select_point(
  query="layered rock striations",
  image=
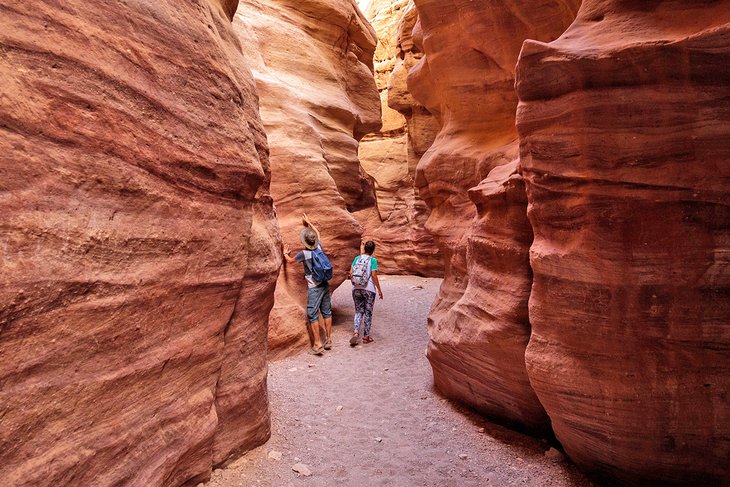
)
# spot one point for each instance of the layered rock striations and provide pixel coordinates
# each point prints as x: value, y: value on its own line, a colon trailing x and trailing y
x: 624, y: 122
x: 139, y: 245
x: 389, y: 156
x: 479, y: 325
x: 312, y: 62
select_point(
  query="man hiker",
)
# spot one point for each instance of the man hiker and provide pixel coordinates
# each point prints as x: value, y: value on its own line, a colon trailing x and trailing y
x: 318, y: 290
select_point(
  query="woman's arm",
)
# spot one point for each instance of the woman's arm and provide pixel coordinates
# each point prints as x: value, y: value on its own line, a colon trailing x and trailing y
x: 377, y: 283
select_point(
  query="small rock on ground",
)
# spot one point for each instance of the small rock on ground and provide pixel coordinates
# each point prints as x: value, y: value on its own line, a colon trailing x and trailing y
x: 554, y: 455
x: 301, y: 469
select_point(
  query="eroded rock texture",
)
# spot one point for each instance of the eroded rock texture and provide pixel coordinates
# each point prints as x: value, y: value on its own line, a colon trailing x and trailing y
x: 625, y: 122
x: 139, y: 245
x: 389, y: 157
x: 478, y: 325
x: 313, y: 67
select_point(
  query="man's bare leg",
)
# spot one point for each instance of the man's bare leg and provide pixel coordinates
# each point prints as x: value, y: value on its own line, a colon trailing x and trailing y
x: 315, y: 332
x: 328, y: 333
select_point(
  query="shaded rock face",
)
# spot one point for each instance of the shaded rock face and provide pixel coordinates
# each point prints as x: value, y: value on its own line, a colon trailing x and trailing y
x: 479, y: 325
x: 397, y: 222
x: 139, y: 244
x: 625, y: 122
x: 312, y: 61
x: 421, y: 125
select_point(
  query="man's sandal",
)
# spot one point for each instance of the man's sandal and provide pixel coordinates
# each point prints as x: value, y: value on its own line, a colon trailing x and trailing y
x: 354, y: 339
x: 328, y: 344
x: 316, y: 351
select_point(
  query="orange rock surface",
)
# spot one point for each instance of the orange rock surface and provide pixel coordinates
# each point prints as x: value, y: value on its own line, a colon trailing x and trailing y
x: 479, y: 325
x: 139, y: 248
x: 389, y: 156
x: 625, y: 122
x: 313, y: 67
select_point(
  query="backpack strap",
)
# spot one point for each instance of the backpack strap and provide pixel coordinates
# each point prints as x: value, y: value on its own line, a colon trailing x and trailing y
x: 308, y: 261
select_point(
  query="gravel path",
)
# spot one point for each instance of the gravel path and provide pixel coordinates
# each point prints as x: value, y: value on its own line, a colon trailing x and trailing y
x: 369, y: 416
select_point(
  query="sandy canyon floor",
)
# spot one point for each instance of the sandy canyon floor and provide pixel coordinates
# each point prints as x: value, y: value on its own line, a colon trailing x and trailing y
x: 369, y: 416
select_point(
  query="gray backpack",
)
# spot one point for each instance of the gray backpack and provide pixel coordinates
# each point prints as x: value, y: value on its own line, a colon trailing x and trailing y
x: 361, y: 272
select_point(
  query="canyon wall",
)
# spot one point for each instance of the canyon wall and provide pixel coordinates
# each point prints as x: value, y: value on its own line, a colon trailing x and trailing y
x: 625, y: 122
x: 479, y: 325
x: 312, y: 62
x: 139, y: 245
x: 397, y: 221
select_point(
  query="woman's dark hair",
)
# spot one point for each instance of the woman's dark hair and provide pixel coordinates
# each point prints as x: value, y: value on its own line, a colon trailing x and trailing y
x: 369, y: 247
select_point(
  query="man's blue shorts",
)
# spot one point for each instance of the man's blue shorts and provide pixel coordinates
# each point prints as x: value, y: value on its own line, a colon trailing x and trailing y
x: 318, y: 299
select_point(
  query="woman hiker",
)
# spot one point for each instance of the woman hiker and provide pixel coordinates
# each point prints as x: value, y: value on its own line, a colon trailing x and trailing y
x: 364, y: 277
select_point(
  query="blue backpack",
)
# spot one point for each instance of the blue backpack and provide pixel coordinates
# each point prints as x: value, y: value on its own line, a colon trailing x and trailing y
x: 321, y: 265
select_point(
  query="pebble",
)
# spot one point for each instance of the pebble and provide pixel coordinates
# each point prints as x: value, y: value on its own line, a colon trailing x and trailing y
x: 311, y: 365
x: 481, y: 430
x: 275, y: 455
x: 301, y: 469
x: 293, y: 369
x: 340, y: 408
x: 378, y: 439
x: 463, y: 456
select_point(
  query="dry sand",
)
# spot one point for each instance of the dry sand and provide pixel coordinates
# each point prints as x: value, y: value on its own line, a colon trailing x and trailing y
x: 369, y: 416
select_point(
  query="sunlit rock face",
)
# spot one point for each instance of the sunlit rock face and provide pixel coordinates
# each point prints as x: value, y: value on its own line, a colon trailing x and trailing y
x: 625, y: 122
x: 397, y: 222
x: 139, y: 245
x: 312, y: 61
x: 479, y: 325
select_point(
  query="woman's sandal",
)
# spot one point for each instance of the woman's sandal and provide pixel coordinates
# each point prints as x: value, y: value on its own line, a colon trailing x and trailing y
x: 367, y: 339
x: 355, y: 338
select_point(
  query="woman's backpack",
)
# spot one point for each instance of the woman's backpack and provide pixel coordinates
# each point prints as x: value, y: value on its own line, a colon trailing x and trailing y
x: 361, y: 272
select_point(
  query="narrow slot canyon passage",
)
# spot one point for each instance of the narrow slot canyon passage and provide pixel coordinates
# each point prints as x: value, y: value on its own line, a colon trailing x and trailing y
x: 369, y: 415
x: 556, y: 173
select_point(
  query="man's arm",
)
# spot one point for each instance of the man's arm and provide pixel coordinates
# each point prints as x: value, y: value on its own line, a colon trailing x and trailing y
x: 289, y: 260
x: 307, y: 223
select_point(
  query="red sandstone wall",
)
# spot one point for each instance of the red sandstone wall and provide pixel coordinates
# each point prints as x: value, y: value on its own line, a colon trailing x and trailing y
x: 389, y: 157
x: 479, y: 326
x: 312, y: 62
x: 625, y: 122
x: 139, y: 248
